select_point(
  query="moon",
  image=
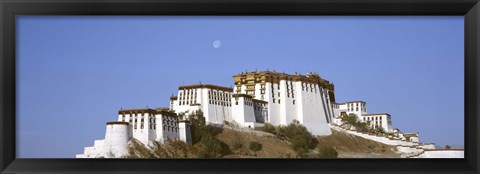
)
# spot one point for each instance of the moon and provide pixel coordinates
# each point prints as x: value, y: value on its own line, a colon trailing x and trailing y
x: 217, y: 44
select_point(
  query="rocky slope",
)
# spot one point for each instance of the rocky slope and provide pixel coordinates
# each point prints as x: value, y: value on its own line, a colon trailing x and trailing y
x: 235, y: 143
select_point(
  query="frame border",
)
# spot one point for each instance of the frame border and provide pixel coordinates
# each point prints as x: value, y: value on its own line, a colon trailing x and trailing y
x: 9, y: 9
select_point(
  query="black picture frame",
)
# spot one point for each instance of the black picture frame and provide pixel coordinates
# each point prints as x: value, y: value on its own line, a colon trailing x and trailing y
x: 9, y: 9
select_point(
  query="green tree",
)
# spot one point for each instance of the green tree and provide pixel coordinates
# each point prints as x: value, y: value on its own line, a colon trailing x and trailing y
x: 212, y: 147
x: 198, y: 125
x: 268, y: 128
x: 327, y: 152
x: 255, y: 146
x: 298, y: 135
x: 352, y: 119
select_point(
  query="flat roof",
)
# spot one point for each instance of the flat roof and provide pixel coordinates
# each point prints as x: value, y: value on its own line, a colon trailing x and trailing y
x: 376, y: 114
x: 209, y: 86
x: 117, y: 122
x: 242, y: 95
x: 259, y: 101
x: 159, y: 110
x: 355, y: 101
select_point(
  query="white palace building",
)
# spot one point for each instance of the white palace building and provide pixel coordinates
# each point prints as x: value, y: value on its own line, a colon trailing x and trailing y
x: 256, y: 98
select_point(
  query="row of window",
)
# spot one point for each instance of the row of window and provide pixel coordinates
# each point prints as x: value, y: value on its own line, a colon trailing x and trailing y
x: 290, y: 90
x: 375, y: 121
x: 169, y: 121
x: 170, y: 128
x: 309, y: 86
x: 220, y: 103
x: 355, y: 107
x: 186, y: 97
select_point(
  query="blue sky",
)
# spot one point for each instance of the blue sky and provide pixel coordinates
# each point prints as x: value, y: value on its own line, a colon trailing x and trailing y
x: 75, y: 73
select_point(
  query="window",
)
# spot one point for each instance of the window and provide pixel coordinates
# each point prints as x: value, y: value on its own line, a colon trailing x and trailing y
x: 273, y: 100
x: 294, y: 102
x: 278, y: 101
x: 236, y: 102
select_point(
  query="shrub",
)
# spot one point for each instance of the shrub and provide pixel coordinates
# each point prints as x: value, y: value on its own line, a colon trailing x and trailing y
x: 327, y: 152
x: 298, y: 135
x: 211, y: 146
x: 255, y: 146
x: 268, y: 128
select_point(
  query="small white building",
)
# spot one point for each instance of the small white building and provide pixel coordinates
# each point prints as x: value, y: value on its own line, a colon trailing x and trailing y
x: 150, y: 125
x: 146, y: 125
x: 412, y: 137
x: 214, y: 101
x: 247, y: 111
x: 382, y: 120
x: 359, y: 108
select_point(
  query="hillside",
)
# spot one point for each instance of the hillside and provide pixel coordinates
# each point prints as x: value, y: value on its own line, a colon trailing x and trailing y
x: 235, y: 143
x: 351, y: 146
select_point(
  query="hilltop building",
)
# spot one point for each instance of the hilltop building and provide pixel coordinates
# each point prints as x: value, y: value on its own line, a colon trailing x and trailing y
x: 256, y: 98
x: 263, y: 97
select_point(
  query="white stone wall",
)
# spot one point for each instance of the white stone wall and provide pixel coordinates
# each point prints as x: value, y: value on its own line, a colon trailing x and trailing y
x: 289, y: 100
x: 116, y: 140
x: 185, y: 132
x: 312, y: 108
x: 95, y: 151
x: 260, y: 110
x: 187, y: 100
x: 243, y: 111
x: 140, y: 129
x: 214, y: 103
x: 271, y: 95
x: 380, y: 139
x: 460, y: 153
x: 170, y: 128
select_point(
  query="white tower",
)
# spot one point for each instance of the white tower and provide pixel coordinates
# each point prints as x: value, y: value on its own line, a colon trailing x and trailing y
x: 116, y: 139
